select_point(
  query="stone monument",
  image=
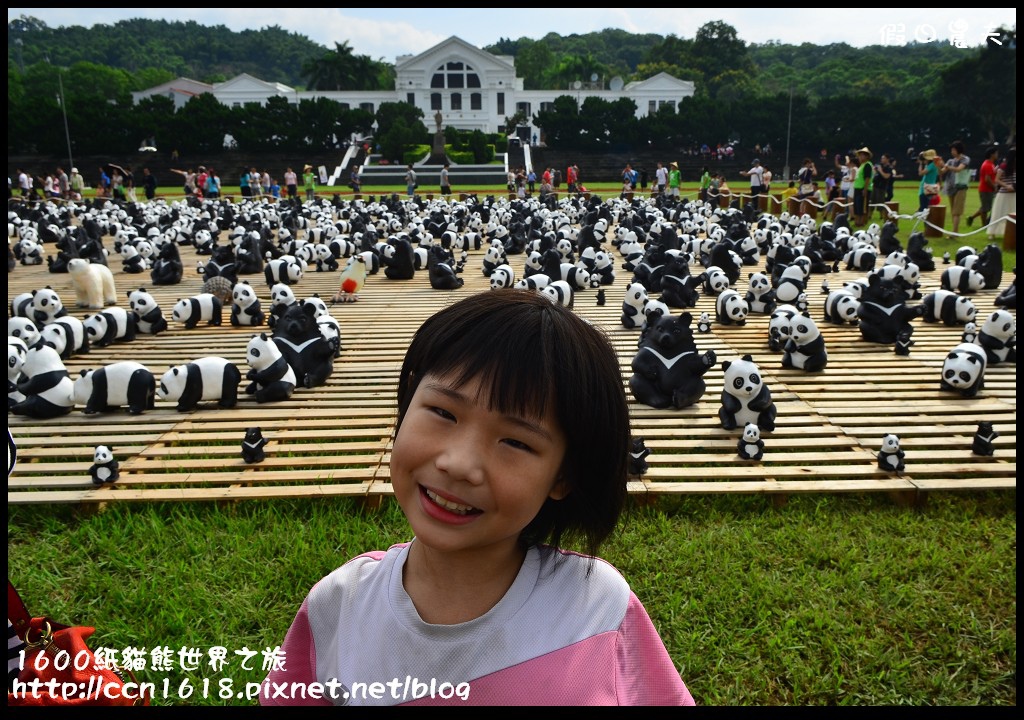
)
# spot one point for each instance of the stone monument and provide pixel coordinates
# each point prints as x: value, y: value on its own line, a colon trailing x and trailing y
x: 437, y: 152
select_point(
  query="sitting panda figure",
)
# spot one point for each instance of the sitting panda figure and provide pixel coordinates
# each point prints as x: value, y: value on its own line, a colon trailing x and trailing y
x: 46, y: 306
x: 298, y: 336
x: 750, y: 445
x: 668, y: 369
x: 281, y: 298
x: 149, y: 319
x: 983, y: 439
x: 998, y: 337
x: 633, y: 306
x: 270, y: 377
x: 16, y: 352
x: 805, y: 349
x: 963, y: 370
x: 253, y: 444
x: 704, y: 323
x: 638, y: 454
x: 890, y: 457
x: 745, y: 396
x: 778, y: 326
x: 245, y: 307
x: 104, y: 468
x: 970, y: 333
x: 45, y: 383
x: 731, y: 308
x: 760, y: 295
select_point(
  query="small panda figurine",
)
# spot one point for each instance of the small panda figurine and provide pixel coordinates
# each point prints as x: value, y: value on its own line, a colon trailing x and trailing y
x: 638, y: 454
x: 841, y: 308
x: 46, y: 306
x: 948, y: 307
x: 601, y: 299
x: 245, y: 307
x: 252, y: 445
x: 805, y: 349
x: 45, y: 383
x: 704, y: 323
x: 104, y: 469
x: 970, y: 333
x: 206, y: 378
x: 731, y: 308
x: 110, y: 325
x: 904, y: 341
x: 198, y: 308
x: 750, y: 445
x: 960, y: 279
x: 890, y: 457
x: 998, y: 337
x: 502, y: 277
x: 963, y: 370
x: 778, y: 326
x: 633, y: 306
x: 760, y: 296
x: 983, y: 439
x: 745, y: 396
x: 271, y: 377
x: 149, y: 318
x: 119, y: 384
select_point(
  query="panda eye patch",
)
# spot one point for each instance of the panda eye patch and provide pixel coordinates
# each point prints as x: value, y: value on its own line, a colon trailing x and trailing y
x: 755, y: 379
x: 254, y: 352
x: 737, y: 383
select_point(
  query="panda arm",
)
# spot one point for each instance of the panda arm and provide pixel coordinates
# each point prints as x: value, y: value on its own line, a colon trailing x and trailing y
x: 41, y: 382
x: 763, y: 400
x: 192, y: 390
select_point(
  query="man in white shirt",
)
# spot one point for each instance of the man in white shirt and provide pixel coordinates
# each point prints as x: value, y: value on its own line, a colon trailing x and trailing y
x: 661, y: 177
x: 756, y: 175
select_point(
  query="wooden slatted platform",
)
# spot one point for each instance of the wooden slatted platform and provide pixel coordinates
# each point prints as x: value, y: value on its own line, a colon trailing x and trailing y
x: 335, y: 440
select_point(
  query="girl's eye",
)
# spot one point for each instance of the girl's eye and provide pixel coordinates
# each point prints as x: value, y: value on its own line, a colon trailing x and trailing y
x: 441, y: 412
x: 518, y: 444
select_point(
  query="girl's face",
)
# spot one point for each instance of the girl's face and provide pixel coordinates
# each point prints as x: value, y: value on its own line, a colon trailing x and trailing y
x: 469, y: 479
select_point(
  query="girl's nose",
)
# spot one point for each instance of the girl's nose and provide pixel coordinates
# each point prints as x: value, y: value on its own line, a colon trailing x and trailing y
x: 463, y: 458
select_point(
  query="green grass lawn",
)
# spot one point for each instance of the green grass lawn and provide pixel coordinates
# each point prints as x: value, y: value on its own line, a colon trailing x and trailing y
x: 827, y: 600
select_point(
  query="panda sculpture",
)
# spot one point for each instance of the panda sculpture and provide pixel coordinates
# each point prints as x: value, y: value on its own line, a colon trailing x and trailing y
x: 399, y: 259
x: 731, y: 308
x: 841, y: 308
x: 121, y: 384
x: 704, y: 323
x: 298, y: 336
x: 949, y: 308
x: 245, y: 307
x: 66, y: 335
x: 24, y: 329
x: 285, y: 269
x: 750, y: 445
x: 502, y: 277
x: 559, y: 292
x: 442, y: 271
x: 46, y: 306
x: 984, y: 436
x: 890, y: 456
x: 668, y: 370
x: 205, y: 378
x: 633, y: 306
x: 104, y: 468
x: 45, y: 383
x: 746, y: 398
x: 149, y: 318
x: 16, y: 352
x: 270, y: 376
x: 963, y: 370
x: 805, y: 349
x: 778, y: 326
x: 638, y: 454
x: 998, y: 337
x: 760, y: 295
x: 281, y: 298
x: 204, y: 307
x: 167, y: 268
x: 962, y: 280
x: 109, y: 326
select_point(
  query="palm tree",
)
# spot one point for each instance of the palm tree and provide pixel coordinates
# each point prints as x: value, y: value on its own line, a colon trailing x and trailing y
x: 336, y: 69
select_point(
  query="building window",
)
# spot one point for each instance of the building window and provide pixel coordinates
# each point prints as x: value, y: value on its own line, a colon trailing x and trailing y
x: 476, y: 101
x: 368, y: 107
x: 454, y: 76
x: 456, y: 101
x: 437, y: 80
x: 410, y: 98
x: 547, y: 107
x: 435, y: 101
x: 668, y: 103
x: 501, y: 103
x: 345, y: 106
x: 524, y: 108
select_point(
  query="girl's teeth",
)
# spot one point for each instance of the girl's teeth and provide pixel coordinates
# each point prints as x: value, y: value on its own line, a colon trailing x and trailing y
x: 448, y: 505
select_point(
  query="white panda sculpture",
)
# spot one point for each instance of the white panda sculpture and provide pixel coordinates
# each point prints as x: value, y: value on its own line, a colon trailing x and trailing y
x: 963, y: 370
x: 750, y: 445
x: 46, y: 385
x: 731, y: 308
x: 46, y: 306
x: 633, y: 306
x: 998, y: 337
x: 16, y: 352
x: 204, y: 307
x: 104, y: 468
x: 559, y: 292
x: 841, y: 308
x: 962, y: 280
x: 24, y: 329
x: 149, y: 318
x: 503, y: 276
x: 121, y: 384
x: 948, y: 307
x: 110, y: 325
x: 245, y: 308
x: 206, y: 378
x: 271, y: 377
x: 66, y: 335
x: 746, y: 398
x: 805, y: 349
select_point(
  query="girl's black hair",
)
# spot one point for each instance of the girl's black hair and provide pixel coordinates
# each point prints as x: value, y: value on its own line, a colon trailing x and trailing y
x: 532, y: 355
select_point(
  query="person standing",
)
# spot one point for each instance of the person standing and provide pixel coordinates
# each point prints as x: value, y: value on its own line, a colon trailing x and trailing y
x: 571, y: 178
x: 1006, y: 194
x: 243, y: 184
x: 881, y: 192
x: 986, y: 186
x: 63, y: 185
x: 928, y: 168
x: 77, y: 185
x: 446, y: 183
x: 756, y: 175
x: 129, y: 185
x: 862, y: 187
x: 674, y: 180
x: 148, y: 184
x: 291, y: 183
x: 957, y: 176
x: 705, y: 183
x: 531, y: 180
x: 354, y: 180
x: 309, y: 181
x: 410, y: 180
x: 661, y: 177
x: 212, y: 184
x: 25, y: 183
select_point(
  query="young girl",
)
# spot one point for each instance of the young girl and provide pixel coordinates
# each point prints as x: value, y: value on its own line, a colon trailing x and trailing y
x: 496, y: 460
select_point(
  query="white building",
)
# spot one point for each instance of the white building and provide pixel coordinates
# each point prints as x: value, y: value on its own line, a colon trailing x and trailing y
x: 471, y: 88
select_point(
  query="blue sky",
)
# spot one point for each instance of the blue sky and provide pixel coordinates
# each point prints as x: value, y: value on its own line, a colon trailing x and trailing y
x: 384, y: 34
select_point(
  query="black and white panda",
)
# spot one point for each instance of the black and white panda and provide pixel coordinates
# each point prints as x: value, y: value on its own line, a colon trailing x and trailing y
x: 890, y: 456
x: 716, y: 281
x: 790, y: 283
x: 731, y: 308
x: 750, y: 445
x: 21, y: 305
x: 271, y: 377
x: 125, y: 383
x: 104, y: 469
x: 948, y: 307
x: 107, y: 326
x: 67, y: 335
x: 704, y: 323
x: 503, y: 277
x: 205, y: 378
x: 24, y: 329
x: 331, y: 331
x: 745, y: 396
x: 962, y: 280
x: 204, y: 307
x: 149, y: 318
x: 559, y: 292
x: 281, y: 298
x: 760, y: 296
x: 45, y: 383
x: 632, y: 305
x: 805, y: 349
x: 998, y: 337
x: 46, y: 306
x: 841, y: 308
x: 285, y: 269
x: 963, y: 370
x: 131, y: 261
x: 534, y: 282
x: 778, y: 326
x: 16, y: 352
x: 863, y: 258
x: 245, y: 308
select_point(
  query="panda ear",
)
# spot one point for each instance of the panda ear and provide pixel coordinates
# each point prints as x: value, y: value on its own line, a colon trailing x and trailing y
x: 726, y: 364
x: 748, y: 358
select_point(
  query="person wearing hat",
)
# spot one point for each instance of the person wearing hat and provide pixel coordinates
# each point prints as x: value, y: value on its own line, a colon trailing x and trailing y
x: 309, y: 180
x: 756, y: 175
x: 862, y: 187
x: 928, y: 167
x: 76, y: 184
x: 674, y: 179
